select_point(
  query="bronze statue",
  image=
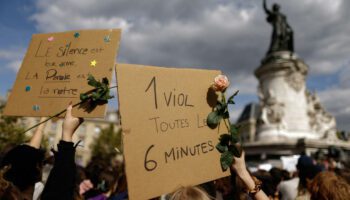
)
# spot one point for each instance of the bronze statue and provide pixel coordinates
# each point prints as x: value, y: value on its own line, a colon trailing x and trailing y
x: 282, y: 33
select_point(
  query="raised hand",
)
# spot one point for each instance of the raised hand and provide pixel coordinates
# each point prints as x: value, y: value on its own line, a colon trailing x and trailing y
x: 37, y: 137
x: 70, y: 125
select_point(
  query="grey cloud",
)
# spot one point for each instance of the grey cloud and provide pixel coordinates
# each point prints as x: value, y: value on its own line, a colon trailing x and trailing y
x: 12, y: 57
x: 232, y: 42
x: 336, y: 101
x: 229, y: 35
x: 343, y: 121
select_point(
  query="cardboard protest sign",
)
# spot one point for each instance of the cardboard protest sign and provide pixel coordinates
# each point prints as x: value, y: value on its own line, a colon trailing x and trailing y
x: 167, y: 143
x: 55, y: 69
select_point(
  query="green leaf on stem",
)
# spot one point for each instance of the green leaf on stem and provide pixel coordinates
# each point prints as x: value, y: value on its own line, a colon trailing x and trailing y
x: 105, y: 81
x: 221, y: 148
x: 83, y: 97
x: 100, y: 93
x: 235, y: 149
x: 92, y: 81
x: 226, y: 160
x: 235, y: 138
x: 234, y: 129
x: 234, y: 133
x: 220, y: 106
x: 225, y: 139
x: 213, y: 119
x: 230, y: 99
x: 226, y: 115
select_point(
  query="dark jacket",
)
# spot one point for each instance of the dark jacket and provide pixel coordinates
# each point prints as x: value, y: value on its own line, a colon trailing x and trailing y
x: 60, y: 184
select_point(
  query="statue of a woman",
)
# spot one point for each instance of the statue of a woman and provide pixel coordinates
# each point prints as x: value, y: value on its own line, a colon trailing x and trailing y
x: 282, y: 33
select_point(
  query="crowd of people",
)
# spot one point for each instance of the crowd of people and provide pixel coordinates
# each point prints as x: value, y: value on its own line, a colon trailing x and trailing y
x: 22, y: 167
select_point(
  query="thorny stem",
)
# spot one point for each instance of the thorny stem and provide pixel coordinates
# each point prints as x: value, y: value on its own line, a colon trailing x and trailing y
x: 224, y: 100
x: 228, y: 129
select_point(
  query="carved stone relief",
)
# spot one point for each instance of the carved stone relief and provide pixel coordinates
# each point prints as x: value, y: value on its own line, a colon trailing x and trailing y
x: 295, y: 80
x: 320, y: 120
x: 272, y: 111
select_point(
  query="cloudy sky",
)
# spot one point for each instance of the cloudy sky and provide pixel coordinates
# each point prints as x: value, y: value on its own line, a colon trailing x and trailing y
x: 216, y: 34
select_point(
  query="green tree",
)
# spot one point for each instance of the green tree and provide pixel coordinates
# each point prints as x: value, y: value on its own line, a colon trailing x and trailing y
x: 104, y: 147
x: 11, y: 132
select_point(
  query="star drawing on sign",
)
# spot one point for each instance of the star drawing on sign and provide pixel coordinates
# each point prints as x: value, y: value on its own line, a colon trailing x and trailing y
x: 93, y: 63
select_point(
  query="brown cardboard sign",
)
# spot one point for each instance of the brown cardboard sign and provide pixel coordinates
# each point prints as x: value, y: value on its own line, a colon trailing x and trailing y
x: 167, y: 143
x: 55, y: 69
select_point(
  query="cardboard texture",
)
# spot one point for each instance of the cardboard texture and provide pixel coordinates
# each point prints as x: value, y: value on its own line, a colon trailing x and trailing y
x: 166, y: 141
x: 55, y: 69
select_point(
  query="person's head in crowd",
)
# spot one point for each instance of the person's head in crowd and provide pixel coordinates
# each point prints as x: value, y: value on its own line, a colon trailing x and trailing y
x: 224, y: 186
x: 5, y: 150
x: 98, y: 165
x: 25, y: 164
x: 209, y: 187
x: 268, y: 185
x: 231, y: 188
x: 103, y: 183
x: 277, y: 175
x: 118, y: 161
x: 121, y: 191
x: 344, y: 173
x: 80, y: 177
x: 81, y: 174
x: 334, y: 152
x: 286, y: 175
x: 93, y: 169
x: 7, y: 190
x: 328, y: 186
x: 189, y: 193
x: 107, y: 180
x: 307, y: 169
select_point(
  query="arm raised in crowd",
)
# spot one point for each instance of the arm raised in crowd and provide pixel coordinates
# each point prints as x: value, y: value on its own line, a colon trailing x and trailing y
x: 70, y: 125
x: 61, y: 181
x: 252, y: 185
x: 37, y: 137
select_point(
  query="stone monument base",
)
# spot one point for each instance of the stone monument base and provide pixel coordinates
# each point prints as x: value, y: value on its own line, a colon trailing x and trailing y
x: 271, y: 152
x: 281, y: 135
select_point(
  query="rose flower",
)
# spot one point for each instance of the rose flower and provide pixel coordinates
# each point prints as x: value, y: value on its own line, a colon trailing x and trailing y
x: 221, y: 82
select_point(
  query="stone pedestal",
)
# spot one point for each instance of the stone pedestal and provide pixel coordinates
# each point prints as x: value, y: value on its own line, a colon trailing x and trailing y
x: 284, y: 99
x: 292, y: 146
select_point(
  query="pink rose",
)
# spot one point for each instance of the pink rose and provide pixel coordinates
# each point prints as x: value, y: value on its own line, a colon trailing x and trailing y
x: 221, y: 82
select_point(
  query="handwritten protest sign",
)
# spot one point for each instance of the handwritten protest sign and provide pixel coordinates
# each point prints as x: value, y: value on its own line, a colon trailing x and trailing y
x: 166, y: 141
x: 55, y: 69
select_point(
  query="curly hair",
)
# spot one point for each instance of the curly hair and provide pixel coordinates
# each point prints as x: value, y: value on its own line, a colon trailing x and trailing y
x: 327, y: 185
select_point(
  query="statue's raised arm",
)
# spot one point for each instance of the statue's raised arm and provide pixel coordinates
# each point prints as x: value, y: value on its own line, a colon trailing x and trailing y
x: 265, y: 7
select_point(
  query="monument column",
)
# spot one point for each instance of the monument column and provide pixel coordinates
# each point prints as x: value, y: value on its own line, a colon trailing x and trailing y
x: 283, y: 99
x: 291, y: 119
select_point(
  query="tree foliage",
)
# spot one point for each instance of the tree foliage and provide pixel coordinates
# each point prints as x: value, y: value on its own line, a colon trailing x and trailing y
x: 104, y: 147
x: 11, y: 132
